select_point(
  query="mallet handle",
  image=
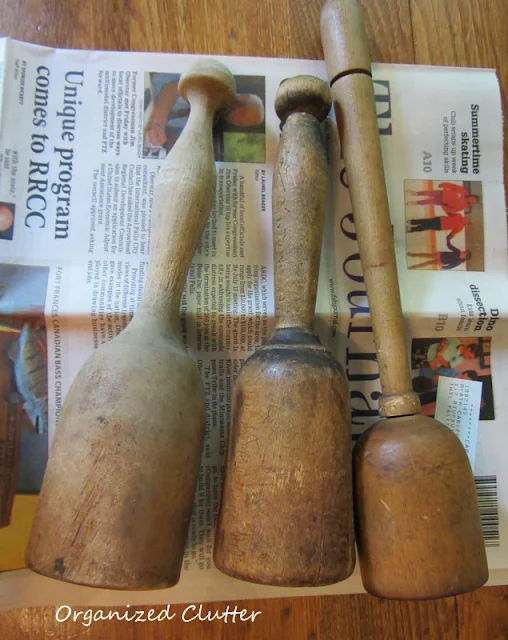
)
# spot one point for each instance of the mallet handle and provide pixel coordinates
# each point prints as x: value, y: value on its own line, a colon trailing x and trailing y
x: 184, y: 193
x: 348, y: 64
x: 299, y: 206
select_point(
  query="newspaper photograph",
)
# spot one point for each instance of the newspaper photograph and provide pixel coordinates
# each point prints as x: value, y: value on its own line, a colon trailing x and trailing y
x: 83, y: 134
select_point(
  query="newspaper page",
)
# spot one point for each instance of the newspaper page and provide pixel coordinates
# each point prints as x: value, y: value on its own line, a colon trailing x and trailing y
x: 83, y: 134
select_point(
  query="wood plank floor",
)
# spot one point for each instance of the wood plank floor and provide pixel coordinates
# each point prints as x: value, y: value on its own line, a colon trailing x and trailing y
x: 439, y: 32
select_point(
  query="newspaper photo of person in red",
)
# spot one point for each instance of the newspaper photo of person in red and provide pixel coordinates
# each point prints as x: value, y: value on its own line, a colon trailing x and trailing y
x: 444, y: 225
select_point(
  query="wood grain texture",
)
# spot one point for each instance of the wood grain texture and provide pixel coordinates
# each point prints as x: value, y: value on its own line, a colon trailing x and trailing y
x: 358, y: 617
x: 116, y: 499
x: 412, y: 476
x: 465, y: 32
x: 261, y: 28
x: 299, y: 198
x: 101, y: 24
x: 411, y: 473
x: 358, y: 128
x: 286, y: 515
x: 483, y: 614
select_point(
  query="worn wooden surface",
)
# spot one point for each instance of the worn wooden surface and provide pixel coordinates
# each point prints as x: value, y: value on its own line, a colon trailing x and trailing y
x: 446, y: 32
x: 346, y: 49
x: 408, y: 464
x: 98, y: 463
x: 286, y: 515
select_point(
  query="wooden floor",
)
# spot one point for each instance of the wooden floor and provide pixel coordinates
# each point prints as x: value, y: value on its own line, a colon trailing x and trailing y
x: 438, y: 32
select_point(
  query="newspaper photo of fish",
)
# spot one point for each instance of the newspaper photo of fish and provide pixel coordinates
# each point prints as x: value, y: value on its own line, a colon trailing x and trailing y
x: 23, y: 383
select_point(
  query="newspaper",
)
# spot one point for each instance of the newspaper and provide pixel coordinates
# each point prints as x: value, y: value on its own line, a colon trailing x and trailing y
x: 83, y: 134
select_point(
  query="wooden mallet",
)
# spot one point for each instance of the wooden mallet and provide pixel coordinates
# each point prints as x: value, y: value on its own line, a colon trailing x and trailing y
x: 417, y: 520
x: 117, y: 495
x: 286, y: 511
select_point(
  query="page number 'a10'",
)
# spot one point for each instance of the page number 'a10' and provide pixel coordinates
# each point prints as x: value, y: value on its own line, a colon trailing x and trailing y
x: 427, y: 162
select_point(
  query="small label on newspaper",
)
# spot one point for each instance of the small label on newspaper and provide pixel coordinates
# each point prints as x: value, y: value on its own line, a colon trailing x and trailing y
x: 458, y: 407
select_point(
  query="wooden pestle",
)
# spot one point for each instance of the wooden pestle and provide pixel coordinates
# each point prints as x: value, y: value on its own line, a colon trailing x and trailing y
x: 286, y: 512
x: 418, y: 528
x: 117, y: 495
